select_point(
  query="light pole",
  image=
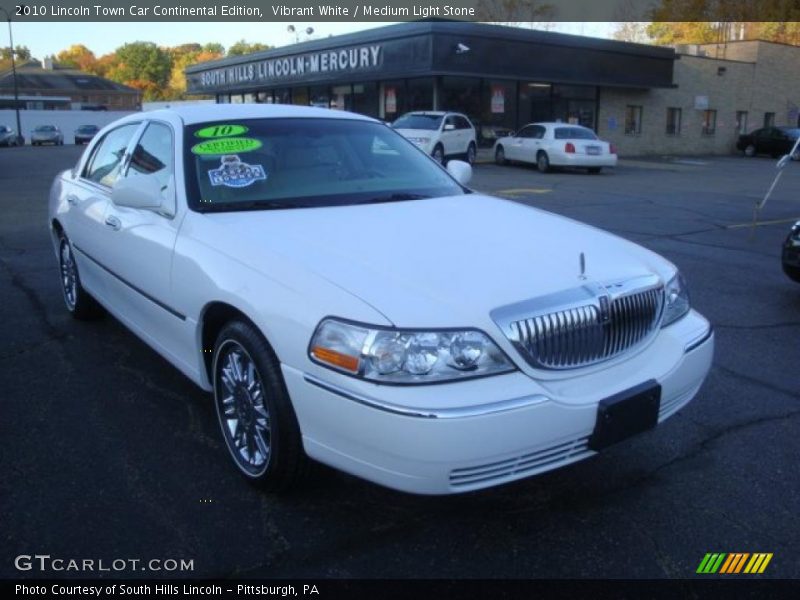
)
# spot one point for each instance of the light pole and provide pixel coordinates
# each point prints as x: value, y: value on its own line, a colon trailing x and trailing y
x: 13, y: 74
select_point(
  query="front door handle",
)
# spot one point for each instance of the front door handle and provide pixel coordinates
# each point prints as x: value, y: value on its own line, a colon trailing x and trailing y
x: 113, y: 222
x: 72, y: 200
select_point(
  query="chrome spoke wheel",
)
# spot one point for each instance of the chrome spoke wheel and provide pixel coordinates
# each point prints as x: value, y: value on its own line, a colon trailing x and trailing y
x: 69, y: 275
x: 242, y: 407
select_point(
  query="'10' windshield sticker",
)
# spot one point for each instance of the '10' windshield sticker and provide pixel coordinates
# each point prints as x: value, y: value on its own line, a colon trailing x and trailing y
x: 226, y: 146
x: 234, y: 173
x: 218, y: 131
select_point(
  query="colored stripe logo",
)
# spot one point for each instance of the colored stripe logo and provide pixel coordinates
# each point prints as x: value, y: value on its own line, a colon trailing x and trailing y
x: 734, y: 563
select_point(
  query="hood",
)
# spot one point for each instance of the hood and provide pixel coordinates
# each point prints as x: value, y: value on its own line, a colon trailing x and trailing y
x: 442, y: 262
x: 417, y: 133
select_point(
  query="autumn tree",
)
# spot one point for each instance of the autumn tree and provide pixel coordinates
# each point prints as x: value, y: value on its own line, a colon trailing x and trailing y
x: 77, y: 56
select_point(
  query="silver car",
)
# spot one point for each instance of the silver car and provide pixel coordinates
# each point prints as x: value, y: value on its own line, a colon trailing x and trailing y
x: 47, y: 134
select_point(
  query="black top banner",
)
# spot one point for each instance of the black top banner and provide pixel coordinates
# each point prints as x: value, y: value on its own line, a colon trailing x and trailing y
x: 498, y: 11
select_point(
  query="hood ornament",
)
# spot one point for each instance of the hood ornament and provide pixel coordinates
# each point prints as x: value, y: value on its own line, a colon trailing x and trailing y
x: 582, y: 274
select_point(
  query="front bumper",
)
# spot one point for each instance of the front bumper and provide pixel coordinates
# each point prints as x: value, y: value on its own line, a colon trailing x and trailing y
x: 521, y: 428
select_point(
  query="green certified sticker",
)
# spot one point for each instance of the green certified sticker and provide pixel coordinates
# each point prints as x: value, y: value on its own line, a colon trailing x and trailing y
x: 226, y: 146
x: 218, y: 131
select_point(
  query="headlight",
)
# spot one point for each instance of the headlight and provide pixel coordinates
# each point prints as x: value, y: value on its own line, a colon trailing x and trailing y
x: 421, y: 141
x: 676, y: 300
x: 404, y: 356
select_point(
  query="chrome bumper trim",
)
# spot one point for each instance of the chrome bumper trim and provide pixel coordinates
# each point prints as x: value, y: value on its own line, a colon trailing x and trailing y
x: 430, y: 413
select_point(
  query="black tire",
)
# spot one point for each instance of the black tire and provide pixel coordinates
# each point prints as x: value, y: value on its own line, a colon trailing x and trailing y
x: 500, y: 156
x: 542, y: 162
x: 471, y: 154
x: 792, y: 272
x: 265, y: 417
x: 77, y: 300
x: 750, y: 150
x: 438, y: 154
x: 594, y: 170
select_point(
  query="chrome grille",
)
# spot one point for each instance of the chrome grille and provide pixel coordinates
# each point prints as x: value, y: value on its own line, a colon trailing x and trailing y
x: 589, y: 331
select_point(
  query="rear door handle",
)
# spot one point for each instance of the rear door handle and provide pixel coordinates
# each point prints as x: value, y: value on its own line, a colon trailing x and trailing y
x: 113, y: 222
x: 72, y: 200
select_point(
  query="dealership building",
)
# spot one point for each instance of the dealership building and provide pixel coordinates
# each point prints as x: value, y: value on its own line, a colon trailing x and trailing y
x: 645, y: 99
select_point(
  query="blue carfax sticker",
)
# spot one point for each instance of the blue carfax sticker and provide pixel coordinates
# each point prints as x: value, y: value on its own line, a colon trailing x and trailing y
x: 236, y: 174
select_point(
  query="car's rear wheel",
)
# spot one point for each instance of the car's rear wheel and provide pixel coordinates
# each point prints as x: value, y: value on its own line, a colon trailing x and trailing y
x: 255, y: 413
x: 438, y: 154
x: 79, y: 303
x: 542, y: 162
x: 750, y: 150
x: 500, y: 156
x: 471, y: 153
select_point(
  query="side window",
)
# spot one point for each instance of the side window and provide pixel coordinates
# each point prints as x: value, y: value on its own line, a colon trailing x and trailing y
x: 154, y: 156
x: 462, y: 123
x: 451, y: 120
x: 525, y: 132
x: 106, y: 161
x: 537, y: 132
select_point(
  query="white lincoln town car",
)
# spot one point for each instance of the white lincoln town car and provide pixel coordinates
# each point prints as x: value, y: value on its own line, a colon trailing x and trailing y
x: 346, y: 298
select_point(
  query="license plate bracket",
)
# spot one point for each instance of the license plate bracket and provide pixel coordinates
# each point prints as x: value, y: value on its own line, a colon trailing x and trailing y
x: 625, y: 414
x: 594, y: 150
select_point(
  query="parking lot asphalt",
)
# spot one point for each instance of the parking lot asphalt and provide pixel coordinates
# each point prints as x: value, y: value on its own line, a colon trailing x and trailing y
x: 108, y: 452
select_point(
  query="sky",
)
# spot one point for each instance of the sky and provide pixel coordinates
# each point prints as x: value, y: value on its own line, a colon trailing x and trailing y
x: 46, y: 39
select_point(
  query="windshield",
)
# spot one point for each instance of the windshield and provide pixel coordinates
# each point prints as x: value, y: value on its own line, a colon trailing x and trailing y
x: 431, y: 122
x: 4, y: 129
x: 304, y: 163
x: 87, y: 128
x: 574, y: 133
x: 45, y: 128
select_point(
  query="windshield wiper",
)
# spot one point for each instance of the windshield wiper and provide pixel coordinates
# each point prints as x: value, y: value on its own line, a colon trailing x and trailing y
x: 398, y: 197
x: 250, y: 205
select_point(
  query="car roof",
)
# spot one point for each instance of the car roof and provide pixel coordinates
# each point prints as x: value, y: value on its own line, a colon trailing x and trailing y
x: 200, y: 113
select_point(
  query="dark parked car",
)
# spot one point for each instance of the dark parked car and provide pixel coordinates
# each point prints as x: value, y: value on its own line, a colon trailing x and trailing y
x: 775, y: 141
x: 9, y: 137
x: 85, y: 133
x: 790, y: 257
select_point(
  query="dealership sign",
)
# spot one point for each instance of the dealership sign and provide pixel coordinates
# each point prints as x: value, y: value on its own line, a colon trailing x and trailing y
x: 359, y: 58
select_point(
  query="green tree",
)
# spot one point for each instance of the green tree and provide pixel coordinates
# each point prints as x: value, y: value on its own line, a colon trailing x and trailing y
x: 142, y: 65
x: 242, y: 47
x: 214, y: 48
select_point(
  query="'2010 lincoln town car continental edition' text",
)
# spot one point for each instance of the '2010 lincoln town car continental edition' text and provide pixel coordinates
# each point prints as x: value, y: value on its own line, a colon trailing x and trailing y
x: 346, y: 298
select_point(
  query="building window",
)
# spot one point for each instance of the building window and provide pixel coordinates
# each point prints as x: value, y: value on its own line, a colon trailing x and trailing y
x: 673, y: 121
x: 709, y: 122
x: 769, y: 119
x: 633, y: 120
x: 741, y: 121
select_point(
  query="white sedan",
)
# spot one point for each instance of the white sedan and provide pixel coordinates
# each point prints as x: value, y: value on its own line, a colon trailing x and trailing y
x: 556, y: 145
x: 344, y: 298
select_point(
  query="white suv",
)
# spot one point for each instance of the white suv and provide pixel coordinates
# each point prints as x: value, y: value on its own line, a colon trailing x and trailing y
x: 443, y: 135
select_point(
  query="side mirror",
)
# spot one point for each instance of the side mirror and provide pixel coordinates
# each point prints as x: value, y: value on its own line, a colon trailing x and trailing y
x: 449, y: 127
x: 461, y: 171
x: 138, y: 192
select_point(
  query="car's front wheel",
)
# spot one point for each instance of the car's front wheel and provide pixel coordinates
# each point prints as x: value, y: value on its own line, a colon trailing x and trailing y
x: 471, y: 153
x: 500, y: 156
x: 255, y: 413
x: 438, y: 154
x: 79, y: 303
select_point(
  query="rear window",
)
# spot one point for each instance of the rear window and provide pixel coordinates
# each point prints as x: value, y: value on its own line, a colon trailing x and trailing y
x: 574, y: 133
x: 431, y: 122
x: 304, y: 163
